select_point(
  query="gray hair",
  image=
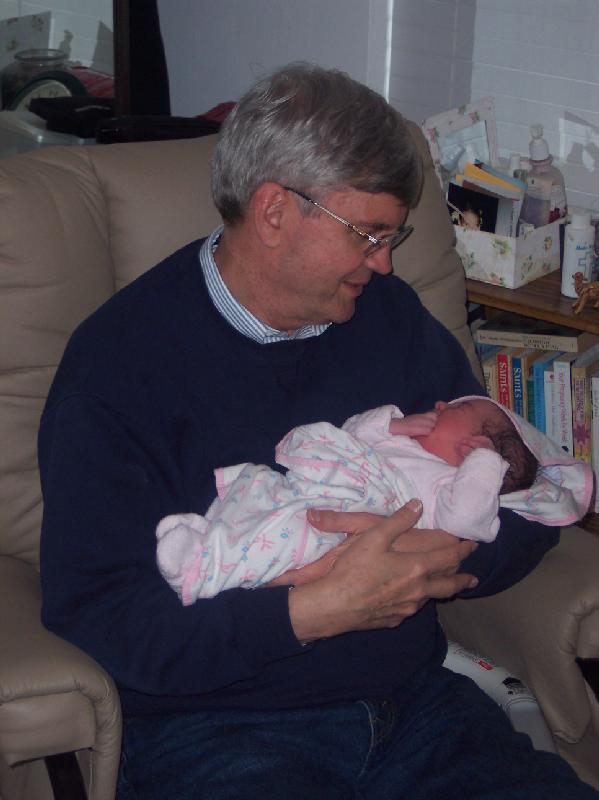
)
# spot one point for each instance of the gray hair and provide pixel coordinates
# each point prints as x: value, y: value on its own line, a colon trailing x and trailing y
x: 316, y: 130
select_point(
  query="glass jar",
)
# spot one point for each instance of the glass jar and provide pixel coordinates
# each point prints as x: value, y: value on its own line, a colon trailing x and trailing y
x: 27, y: 64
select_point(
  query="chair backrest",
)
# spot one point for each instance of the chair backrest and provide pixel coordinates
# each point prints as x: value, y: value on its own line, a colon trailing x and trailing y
x: 77, y: 224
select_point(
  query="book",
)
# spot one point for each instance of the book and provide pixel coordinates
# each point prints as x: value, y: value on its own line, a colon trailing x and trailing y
x: 489, y: 368
x: 530, y: 404
x: 594, y: 378
x: 519, y: 184
x: 522, y: 360
x: 581, y: 370
x: 518, y: 382
x: 515, y: 330
x: 476, y: 184
x: 476, y: 177
x: 504, y: 376
x: 562, y: 387
x: 549, y: 404
x: 494, y: 177
x: 538, y: 367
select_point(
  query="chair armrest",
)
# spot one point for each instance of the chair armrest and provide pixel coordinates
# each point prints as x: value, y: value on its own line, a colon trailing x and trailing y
x: 53, y: 697
x: 538, y: 628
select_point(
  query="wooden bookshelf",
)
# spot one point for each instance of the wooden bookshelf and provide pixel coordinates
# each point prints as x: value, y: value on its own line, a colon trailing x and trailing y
x: 539, y: 299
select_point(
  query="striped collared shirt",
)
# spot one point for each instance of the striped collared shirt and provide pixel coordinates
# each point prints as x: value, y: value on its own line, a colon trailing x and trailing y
x: 233, y: 311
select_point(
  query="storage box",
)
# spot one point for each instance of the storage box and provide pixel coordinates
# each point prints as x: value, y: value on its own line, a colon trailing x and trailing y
x: 506, y: 260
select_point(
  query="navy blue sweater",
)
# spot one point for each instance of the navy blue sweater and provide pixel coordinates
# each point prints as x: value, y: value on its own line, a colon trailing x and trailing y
x: 154, y: 391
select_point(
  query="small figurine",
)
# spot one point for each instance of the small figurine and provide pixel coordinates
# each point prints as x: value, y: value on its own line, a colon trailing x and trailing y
x: 587, y: 291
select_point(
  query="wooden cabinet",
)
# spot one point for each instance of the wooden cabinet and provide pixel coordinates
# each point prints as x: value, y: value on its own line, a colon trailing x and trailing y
x: 540, y: 299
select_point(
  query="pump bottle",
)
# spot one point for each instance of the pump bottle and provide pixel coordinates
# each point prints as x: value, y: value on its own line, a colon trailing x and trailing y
x: 545, y: 196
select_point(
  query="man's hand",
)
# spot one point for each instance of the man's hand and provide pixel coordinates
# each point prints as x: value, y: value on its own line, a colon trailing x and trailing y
x: 379, y: 577
x: 414, y: 424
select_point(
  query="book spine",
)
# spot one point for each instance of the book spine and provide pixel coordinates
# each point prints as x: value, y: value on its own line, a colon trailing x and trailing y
x: 490, y: 376
x: 549, y: 402
x: 539, y: 398
x: 581, y: 415
x: 563, y: 406
x: 503, y: 378
x: 595, y: 432
x: 567, y: 344
x: 518, y: 387
x: 530, y: 405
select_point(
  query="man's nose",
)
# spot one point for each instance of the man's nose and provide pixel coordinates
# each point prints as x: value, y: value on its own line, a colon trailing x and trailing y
x: 380, y: 261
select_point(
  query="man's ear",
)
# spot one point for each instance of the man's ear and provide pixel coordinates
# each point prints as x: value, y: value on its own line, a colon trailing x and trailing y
x: 269, y: 207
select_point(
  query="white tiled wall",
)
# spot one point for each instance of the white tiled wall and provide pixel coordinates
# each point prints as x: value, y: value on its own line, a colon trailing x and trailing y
x: 81, y: 27
x: 538, y: 59
x: 431, y: 55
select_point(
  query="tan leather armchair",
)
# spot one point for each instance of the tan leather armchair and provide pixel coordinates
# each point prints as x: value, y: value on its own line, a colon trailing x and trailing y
x: 76, y: 224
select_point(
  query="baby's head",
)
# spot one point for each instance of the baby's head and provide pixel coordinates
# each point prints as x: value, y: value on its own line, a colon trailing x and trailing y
x: 457, y: 424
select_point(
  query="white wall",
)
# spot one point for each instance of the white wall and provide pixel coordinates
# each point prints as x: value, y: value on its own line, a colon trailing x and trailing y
x: 431, y: 56
x: 539, y: 59
x: 82, y: 28
x: 216, y: 49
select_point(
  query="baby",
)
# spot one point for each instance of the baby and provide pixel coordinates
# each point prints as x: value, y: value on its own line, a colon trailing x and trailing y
x: 464, y: 460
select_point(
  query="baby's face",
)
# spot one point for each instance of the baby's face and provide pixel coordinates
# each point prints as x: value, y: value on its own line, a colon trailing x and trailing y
x: 454, y: 423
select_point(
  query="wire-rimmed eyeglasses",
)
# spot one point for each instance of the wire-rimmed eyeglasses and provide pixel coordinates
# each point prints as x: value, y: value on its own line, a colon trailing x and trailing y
x: 375, y: 244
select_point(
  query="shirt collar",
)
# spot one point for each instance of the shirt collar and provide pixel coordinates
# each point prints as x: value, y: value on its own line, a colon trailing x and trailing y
x: 233, y: 311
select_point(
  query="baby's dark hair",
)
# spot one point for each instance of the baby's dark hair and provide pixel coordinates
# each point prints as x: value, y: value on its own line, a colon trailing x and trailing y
x: 508, y: 443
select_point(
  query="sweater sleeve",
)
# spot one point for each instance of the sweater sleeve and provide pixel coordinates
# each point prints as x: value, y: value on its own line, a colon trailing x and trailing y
x: 102, y: 590
x: 519, y: 546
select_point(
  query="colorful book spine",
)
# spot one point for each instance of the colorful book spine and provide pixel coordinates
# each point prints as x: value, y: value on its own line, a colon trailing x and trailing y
x: 581, y: 371
x: 507, y: 333
x: 594, y: 378
x: 504, y: 376
x: 563, y: 433
x: 518, y: 383
x: 527, y: 357
x: 581, y: 414
x: 549, y: 401
x: 539, y: 389
x: 489, y: 368
x: 530, y: 405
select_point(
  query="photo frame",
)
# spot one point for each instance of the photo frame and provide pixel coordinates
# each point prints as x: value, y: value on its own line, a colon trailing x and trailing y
x: 467, y: 133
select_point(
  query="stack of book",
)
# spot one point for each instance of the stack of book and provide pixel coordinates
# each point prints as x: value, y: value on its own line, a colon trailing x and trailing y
x: 547, y: 373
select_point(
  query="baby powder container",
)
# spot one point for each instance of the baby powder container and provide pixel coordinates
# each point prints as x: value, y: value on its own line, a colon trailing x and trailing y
x: 516, y: 699
x: 545, y: 197
x: 579, y: 251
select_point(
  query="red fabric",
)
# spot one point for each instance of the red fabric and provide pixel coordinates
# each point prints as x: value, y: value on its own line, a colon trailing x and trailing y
x: 219, y: 113
x: 97, y: 84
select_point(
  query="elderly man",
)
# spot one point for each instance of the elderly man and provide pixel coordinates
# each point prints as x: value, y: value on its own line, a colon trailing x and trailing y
x: 330, y: 685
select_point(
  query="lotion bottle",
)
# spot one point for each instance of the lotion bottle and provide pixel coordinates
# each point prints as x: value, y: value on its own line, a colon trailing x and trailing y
x: 579, y: 251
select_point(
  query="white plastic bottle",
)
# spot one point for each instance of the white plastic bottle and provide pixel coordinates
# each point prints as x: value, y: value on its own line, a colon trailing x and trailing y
x: 518, y: 702
x: 579, y: 251
x: 545, y: 197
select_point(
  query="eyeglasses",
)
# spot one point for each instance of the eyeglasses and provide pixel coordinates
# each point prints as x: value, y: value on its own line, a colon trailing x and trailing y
x: 375, y: 244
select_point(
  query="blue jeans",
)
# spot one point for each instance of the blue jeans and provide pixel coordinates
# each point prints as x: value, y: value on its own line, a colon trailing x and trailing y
x: 440, y: 738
